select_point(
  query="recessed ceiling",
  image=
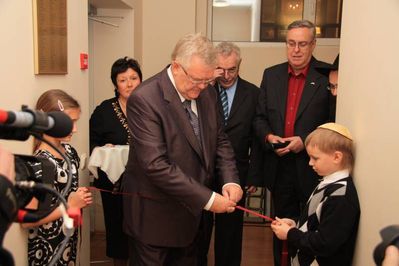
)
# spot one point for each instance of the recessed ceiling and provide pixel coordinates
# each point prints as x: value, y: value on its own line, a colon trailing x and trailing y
x: 117, y: 4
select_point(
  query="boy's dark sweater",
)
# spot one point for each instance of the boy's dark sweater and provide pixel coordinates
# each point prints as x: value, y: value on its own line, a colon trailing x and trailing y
x: 331, y: 238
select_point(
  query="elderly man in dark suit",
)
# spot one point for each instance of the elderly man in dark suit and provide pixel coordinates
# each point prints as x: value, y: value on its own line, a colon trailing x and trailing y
x: 292, y: 103
x: 177, y: 145
x: 237, y: 103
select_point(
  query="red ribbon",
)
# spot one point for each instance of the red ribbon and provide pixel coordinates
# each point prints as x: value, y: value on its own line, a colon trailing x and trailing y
x: 284, y: 253
x: 255, y: 213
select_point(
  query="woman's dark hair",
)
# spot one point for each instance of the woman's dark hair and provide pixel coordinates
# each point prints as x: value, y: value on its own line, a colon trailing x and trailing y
x: 120, y: 66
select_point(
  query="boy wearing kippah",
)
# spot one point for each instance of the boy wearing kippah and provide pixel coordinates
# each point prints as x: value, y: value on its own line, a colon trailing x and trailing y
x: 327, y: 228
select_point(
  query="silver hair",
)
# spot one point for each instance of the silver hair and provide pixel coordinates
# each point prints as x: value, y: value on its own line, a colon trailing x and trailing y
x: 227, y: 48
x: 303, y: 24
x: 194, y: 45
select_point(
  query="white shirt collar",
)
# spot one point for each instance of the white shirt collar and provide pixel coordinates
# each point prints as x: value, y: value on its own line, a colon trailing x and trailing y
x: 334, y: 177
x: 169, y: 70
x: 182, y: 99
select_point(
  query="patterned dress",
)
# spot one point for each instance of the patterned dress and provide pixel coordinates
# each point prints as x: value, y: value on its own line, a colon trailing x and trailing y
x: 44, y: 240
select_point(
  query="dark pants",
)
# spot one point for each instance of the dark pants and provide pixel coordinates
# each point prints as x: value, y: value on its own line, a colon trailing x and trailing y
x: 195, y: 254
x: 228, y: 237
x: 286, y: 197
x: 116, y: 239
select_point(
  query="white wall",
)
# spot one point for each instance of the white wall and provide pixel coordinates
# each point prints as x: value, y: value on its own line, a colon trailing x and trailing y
x: 232, y: 23
x: 107, y: 43
x: 19, y: 85
x: 157, y: 29
x: 368, y: 105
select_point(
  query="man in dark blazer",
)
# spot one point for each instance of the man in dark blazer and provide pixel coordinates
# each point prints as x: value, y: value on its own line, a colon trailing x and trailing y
x: 238, y: 98
x: 177, y: 145
x: 293, y: 102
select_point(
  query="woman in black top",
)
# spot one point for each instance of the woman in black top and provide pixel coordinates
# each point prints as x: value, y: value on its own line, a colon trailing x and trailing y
x: 108, y: 126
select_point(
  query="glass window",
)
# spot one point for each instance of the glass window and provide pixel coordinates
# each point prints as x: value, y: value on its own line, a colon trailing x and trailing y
x: 328, y: 18
x: 267, y: 20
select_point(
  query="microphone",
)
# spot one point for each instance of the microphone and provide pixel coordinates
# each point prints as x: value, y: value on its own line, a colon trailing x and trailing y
x: 55, y: 124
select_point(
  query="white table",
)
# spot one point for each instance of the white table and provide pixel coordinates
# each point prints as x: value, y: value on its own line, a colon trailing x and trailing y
x: 112, y: 160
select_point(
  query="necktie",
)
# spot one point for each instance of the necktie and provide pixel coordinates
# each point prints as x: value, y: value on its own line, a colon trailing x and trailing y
x: 193, y: 119
x: 225, y: 104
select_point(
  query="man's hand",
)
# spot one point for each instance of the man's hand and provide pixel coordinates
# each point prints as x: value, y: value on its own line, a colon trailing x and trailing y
x: 222, y: 204
x: 232, y: 192
x: 274, y: 139
x: 296, y: 145
x: 251, y: 189
x: 7, y: 167
x: 218, y: 73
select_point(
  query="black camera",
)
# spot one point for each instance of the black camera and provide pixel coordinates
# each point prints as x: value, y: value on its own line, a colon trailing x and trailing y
x: 390, y: 236
x: 34, y: 176
x: 21, y: 125
x: 38, y: 170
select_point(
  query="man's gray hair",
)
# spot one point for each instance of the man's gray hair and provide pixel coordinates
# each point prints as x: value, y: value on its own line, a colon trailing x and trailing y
x: 194, y: 45
x: 227, y: 48
x: 303, y: 24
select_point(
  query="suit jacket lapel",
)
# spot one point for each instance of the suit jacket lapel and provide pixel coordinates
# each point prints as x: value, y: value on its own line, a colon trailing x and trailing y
x: 282, y: 91
x: 239, y: 97
x: 202, y: 115
x: 312, y: 84
x: 177, y: 110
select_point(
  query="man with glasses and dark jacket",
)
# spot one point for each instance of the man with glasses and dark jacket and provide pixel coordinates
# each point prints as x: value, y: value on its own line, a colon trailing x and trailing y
x: 292, y: 103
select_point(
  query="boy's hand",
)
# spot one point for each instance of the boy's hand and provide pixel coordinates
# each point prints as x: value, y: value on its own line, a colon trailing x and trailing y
x: 288, y: 221
x: 281, y: 227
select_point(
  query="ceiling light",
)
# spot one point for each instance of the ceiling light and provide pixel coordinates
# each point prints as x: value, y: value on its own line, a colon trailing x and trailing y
x: 221, y: 3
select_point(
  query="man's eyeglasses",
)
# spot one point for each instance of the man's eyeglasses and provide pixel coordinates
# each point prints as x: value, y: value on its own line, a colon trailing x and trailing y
x: 197, y: 81
x: 230, y: 71
x: 294, y: 44
x: 331, y: 86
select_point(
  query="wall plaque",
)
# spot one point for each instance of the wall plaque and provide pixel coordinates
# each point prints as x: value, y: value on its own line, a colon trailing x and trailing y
x: 50, y: 36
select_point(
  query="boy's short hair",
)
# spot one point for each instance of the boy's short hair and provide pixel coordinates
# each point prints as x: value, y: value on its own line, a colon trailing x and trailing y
x: 329, y: 141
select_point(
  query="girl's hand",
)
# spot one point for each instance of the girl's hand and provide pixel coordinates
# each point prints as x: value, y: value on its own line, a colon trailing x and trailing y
x: 80, y: 198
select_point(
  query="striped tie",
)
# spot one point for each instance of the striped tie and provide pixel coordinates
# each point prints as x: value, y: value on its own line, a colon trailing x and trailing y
x: 225, y: 104
x: 193, y: 119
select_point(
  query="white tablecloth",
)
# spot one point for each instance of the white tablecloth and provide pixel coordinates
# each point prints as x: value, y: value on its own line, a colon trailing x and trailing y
x: 112, y: 160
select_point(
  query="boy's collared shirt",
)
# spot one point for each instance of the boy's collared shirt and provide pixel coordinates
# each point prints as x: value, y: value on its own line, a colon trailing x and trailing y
x: 334, y: 177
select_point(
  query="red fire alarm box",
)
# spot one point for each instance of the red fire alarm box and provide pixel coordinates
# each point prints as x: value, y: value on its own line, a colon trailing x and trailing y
x: 84, y: 61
